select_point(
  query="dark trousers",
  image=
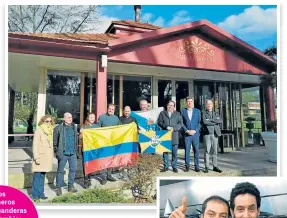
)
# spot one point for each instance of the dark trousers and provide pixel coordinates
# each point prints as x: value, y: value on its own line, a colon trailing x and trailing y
x: 104, y: 174
x: 194, y: 141
x: 38, y: 185
x: 174, y: 157
x: 72, y: 159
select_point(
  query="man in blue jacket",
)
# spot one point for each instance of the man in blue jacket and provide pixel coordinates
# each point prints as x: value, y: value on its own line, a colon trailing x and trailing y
x: 191, y: 125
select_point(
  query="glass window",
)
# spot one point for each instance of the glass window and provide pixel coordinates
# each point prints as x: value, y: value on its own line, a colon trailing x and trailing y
x: 181, y: 94
x: 113, y: 90
x: 135, y: 89
x: 63, y: 94
x: 89, y: 94
x: 164, y: 92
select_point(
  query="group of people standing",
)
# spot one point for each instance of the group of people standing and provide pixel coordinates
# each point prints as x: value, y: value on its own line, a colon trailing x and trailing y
x: 193, y: 122
x: 64, y: 142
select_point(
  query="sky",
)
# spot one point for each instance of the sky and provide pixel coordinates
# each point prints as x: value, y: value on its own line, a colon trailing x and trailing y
x: 255, y: 24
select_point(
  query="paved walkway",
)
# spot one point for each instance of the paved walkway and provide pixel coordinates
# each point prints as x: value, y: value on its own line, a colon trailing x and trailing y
x: 244, y: 162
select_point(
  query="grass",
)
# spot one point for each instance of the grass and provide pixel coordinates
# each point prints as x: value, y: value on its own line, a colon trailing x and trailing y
x: 19, y: 130
x: 93, y: 196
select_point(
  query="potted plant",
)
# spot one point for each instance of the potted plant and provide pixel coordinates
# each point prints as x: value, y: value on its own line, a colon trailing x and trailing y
x: 272, y: 126
x: 270, y: 140
x: 250, y: 126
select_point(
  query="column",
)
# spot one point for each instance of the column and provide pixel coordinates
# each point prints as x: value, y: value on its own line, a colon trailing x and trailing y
x: 191, y: 88
x: 121, y: 97
x: 11, y: 104
x: 173, y: 90
x: 154, y: 92
x: 82, y: 98
x: 41, y: 110
x: 263, y: 109
x: 101, y: 88
x: 270, y: 105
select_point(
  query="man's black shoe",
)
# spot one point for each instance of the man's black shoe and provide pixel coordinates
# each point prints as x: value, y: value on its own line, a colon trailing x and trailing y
x: 102, y: 180
x: 197, y: 170
x: 205, y: 170
x: 164, y: 170
x: 186, y: 169
x: 72, y: 189
x: 59, y: 191
x: 174, y: 170
x: 44, y: 197
x: 111, y: 178
x: 216, y: 169
x: 87, y: 184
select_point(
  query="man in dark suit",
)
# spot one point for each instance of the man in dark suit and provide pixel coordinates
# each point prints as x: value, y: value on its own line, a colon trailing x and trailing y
x: 191, y: 125
x: 211, y: 132
x: 171, y: 120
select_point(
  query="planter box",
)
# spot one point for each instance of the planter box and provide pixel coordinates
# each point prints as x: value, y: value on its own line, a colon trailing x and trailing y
x: 270, y: 141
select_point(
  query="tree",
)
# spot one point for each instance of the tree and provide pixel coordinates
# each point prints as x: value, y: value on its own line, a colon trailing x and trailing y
x: 53, y: 18
x: 270, y: 80
x: 271, y: 52
x: 25, y: 106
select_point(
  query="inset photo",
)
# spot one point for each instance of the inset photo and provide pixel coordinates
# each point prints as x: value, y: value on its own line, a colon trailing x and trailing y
x: 222, y: 197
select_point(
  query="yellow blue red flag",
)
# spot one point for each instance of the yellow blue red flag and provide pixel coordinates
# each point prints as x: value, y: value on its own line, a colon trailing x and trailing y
x: 109, y: 147
x: 152, y: 142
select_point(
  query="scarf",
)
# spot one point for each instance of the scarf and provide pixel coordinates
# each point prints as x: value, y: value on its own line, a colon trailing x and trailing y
x: 48, y: 130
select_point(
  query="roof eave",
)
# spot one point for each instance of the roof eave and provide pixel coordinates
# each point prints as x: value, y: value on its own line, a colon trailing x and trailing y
x: 164, y: 32
x: 28, y: 46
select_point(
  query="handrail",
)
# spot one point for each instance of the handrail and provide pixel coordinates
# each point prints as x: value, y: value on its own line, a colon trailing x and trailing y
x: 20, y: 135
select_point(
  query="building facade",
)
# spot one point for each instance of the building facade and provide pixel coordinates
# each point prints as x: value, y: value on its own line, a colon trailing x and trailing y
x: 82, y: 73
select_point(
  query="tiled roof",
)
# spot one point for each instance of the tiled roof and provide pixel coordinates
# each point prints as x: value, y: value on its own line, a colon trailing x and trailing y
x: 99, y: 38
x: 136, y: 24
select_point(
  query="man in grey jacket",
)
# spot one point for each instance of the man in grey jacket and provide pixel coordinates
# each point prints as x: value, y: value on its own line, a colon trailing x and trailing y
x: 211, y: 133
x: 171, y: 120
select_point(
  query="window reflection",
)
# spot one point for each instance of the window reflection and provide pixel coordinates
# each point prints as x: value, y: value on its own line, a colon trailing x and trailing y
x: 164, y: 92
x: 63, y: 94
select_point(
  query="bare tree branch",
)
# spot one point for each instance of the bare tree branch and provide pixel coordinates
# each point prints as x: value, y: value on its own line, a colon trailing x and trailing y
x: 16, y: 26
x: 43, y: 17
x: 85, y: 18
x: 49, y: 22
x: 53, y: 18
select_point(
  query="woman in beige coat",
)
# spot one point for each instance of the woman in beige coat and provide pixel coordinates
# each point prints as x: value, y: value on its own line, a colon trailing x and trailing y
x: 42, y: 155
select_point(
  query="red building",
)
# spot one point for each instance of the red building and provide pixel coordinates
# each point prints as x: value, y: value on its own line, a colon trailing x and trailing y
x: 133, y: 60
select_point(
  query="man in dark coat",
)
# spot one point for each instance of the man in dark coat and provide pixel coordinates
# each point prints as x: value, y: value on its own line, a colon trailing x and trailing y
x: 171, y: 120
x: 126, y: 118
x: 211, y: 133
x: 65, y: 140
x: 191, y: 125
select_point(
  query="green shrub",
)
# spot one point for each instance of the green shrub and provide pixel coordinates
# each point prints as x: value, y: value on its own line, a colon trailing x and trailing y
x: 93, y: 196
x: 142, y: 177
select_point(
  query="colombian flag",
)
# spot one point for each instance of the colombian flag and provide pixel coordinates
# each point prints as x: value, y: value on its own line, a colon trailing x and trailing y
x: 108, y: 147
x: 155, y: 141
